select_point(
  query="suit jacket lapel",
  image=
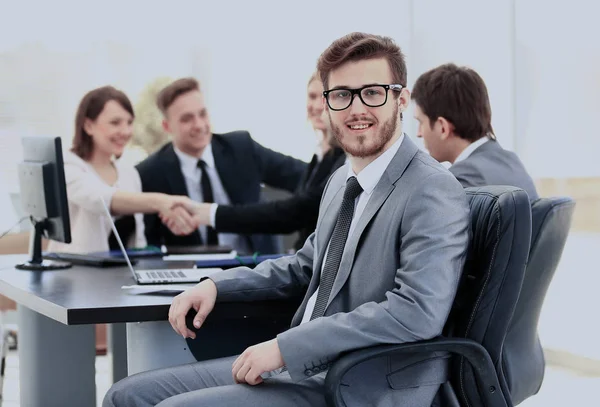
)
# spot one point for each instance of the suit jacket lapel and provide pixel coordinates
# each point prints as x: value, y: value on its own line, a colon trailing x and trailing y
x: 382, y: 191
x: 325, y: 167
x: 307, y: 174
x: 226, y: 170
x: 173, y: 172
x: 325, y: 229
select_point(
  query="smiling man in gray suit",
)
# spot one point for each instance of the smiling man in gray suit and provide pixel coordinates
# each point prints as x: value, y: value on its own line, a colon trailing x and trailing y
x: 455, y: 122
x: 381, y: 268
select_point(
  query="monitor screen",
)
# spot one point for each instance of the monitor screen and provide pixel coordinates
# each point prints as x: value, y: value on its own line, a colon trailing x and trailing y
x: 44, y: 196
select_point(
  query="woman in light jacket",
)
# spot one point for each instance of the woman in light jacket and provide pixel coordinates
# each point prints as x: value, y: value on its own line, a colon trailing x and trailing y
x: 103, y: 127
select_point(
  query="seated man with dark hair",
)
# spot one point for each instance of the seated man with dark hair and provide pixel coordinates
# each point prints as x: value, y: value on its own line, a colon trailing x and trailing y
x: 455, y: 122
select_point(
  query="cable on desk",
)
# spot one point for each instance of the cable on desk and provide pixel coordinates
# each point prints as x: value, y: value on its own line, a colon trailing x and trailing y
x: 13, y: 226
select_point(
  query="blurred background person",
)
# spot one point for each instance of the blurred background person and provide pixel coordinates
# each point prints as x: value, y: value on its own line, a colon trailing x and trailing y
x: 103, y: 127
x: 455, y: 121
x: 298, y: 212
x: 208, y: 167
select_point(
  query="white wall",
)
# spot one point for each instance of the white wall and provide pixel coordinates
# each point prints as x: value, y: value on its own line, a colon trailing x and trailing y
x: 541, y: 64
x: 261, y: 65
x: 558, y: 85
x: 475, y: 33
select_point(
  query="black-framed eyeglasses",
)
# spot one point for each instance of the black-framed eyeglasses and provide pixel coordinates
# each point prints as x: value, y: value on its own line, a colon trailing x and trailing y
x: 370, y: 95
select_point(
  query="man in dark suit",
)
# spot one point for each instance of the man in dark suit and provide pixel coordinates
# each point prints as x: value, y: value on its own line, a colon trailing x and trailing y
x: 296, y: 213
x: 221, y: 168
x: 454, y: 115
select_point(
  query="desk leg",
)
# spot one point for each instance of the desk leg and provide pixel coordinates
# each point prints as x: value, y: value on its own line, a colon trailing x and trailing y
x: 154, y: 345
x: 56, y: 362
x: 117, y: 350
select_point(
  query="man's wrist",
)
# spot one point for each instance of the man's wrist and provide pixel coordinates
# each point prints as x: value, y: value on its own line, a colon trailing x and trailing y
x: 213, y: 214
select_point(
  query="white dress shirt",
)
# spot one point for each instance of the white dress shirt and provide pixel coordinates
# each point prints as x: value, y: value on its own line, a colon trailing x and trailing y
x: 90, y: 227
x: 193, y: 176
x: 470, y: 148
x: 368, y: 178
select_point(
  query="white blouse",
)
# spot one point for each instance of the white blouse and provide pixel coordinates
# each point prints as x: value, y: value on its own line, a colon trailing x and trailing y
x: 90, y: 227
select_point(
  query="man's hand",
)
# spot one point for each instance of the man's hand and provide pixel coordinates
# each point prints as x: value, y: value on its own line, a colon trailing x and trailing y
x: 175, y: 211
x: 201, y: 298
x: 179, y: 221
x: 257, y: 360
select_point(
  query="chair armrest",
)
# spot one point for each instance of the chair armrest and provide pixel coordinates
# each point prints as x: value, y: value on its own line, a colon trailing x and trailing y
x: 476, y: 354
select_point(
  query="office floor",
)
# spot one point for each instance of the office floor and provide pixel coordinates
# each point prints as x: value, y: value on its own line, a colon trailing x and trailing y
x: 562, y: 387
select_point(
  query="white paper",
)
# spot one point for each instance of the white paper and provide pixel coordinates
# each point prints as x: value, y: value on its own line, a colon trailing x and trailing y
x: 155, y: 288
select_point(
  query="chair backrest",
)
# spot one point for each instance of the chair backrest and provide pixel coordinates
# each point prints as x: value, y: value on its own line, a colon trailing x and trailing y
x: 491, y: 280
x: 523, y: 357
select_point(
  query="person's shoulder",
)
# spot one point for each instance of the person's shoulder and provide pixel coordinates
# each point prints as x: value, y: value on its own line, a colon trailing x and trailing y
x: 70, y: 158
x: 75, y: 166
x: 238, y: 138
x: 426, y: 165
x: 338, y: 177
x: 126, y: 169
x: 153, y: 161
x: 426, y: 175
x: 468, y: 165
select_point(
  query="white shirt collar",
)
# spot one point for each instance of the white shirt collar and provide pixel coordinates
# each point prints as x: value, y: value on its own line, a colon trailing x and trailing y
x: 190, y: 163
x: 470, y: 148
x: 371, y: 174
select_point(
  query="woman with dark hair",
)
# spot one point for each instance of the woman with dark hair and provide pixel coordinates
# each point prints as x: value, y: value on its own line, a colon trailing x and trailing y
x: 103, y: 127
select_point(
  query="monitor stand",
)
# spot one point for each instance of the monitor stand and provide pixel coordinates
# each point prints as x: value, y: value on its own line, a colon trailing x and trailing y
x: 36, y: 263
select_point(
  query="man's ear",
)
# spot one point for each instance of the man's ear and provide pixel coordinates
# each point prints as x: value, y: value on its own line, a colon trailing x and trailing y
x: 165, y: 126
x: 404, y: 100
x: 445, y: 126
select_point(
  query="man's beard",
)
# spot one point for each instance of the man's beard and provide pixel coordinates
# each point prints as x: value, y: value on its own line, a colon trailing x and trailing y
x: 383, y: 136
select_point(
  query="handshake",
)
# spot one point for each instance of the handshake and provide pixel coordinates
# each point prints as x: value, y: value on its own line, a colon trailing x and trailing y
x: 182, y: 215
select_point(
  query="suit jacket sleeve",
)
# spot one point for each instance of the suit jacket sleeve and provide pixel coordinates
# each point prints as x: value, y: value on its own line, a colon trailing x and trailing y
x: 272, y: 279
x: 467, y: 174
x: 433, y: 244
x: 280, y: 216
x: 278, y: 170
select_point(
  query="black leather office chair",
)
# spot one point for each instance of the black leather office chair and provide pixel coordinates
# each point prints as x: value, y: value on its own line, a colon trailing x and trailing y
x: 523, y: 357
x: 482, y: 310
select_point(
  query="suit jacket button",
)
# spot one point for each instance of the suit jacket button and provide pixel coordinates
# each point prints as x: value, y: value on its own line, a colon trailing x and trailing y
x: 323, y: 367
x: 308, y: 372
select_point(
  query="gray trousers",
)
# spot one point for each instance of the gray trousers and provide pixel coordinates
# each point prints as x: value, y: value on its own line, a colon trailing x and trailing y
x: 210, y: 383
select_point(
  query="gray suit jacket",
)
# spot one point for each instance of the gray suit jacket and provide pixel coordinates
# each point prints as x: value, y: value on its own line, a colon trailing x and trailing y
x: 396, y: 282
x: 490, y: 164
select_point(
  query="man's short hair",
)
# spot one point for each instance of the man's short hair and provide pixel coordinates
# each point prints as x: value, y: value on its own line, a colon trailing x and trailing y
x: 167, y: 96
x: 459, y: 95
x: 360, y: 46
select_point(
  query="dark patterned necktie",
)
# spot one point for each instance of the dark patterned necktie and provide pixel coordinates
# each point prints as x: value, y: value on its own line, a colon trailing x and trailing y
x: 212, y: 239
x: 336, y: 246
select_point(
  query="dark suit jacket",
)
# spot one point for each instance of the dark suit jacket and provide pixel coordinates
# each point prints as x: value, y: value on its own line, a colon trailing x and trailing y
x: 299, y: 212
x: 490, y: 164
x: 242, y: 164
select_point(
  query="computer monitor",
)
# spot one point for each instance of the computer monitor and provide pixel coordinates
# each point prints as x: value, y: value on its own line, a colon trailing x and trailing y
x: 44, y: 198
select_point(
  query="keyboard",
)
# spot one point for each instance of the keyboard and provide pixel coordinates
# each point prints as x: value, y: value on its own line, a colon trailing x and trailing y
x: 165, y: 273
